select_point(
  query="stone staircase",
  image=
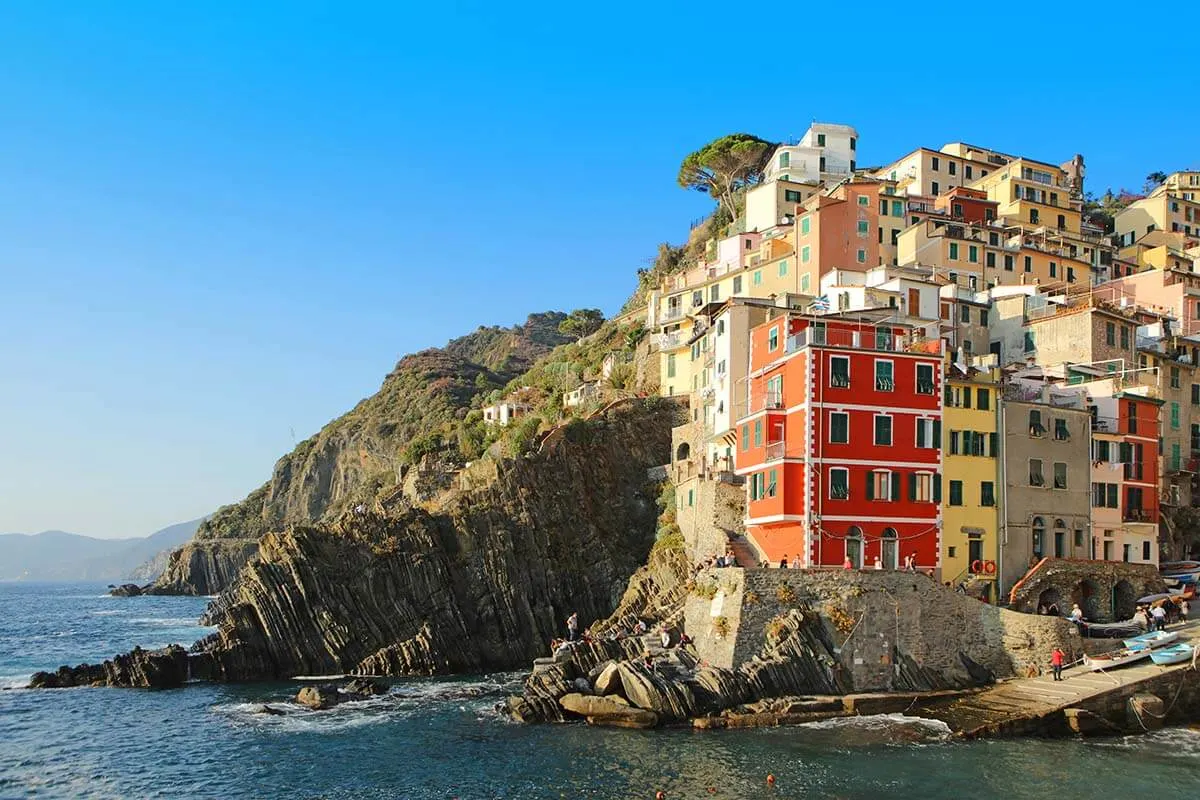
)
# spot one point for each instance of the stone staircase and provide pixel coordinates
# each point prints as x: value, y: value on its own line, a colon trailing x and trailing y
x: 745, y: 552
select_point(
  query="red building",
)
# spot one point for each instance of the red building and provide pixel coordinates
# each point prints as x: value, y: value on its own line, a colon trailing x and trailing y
x: 840, y: 441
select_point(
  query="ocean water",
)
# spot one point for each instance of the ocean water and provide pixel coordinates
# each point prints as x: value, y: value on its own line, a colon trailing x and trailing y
x: 442, y: 738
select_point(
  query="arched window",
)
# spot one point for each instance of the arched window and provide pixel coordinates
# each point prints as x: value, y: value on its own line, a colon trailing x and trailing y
x: 891, y: 549
x: 1039, y: 536
x: 854, y: 546
x: 1060, y: 538
x: 682, y: 453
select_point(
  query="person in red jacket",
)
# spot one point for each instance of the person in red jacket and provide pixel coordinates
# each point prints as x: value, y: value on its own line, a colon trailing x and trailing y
x: 1056, y: 661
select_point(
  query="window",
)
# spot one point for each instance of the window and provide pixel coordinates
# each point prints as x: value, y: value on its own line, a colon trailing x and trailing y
x: 1110, y: 333
x: 1060, y: 538
x: 757, y: 277
x: 920, y: 487
x: 671, y: 365
x: 883, y: 485
x: 924, y: 378
x: 964, y: 313
x: 772, y: 484
x: 737, y: 285
x: 1146, y: 550
x: 773, y: 339
x: 1196, y: 394
x: 853, y: 142
x: 897, y: 208
x: 1035, y: 423
x: 953, y: 251
x: 883, y: 207
x: 805, y: 225
x: 1008, y: 263
x: 1033, y: 216
x: 863, y: 200
x: 785, y: 160
x: 968, y: 168
x: 934, y: 188
x: 1028, y: 263
x: 987, y: 493
x: 804, y: 283
x: 1174, y: 377
x: 1060, y: 475
x: 935, y: 163
x: 956, y: 493
x: 1035, y: 472
x: 1061, y: 433
x: 839, y: 484
x: 1039, y: 536
x: 1133, y: 420
x: 839, y: 427
x: 783, y: 267
x: 990, y: 259
x: 758, y: 433
x: 758, y: 486
x: 864, y: 227
x: 953, y: 167
x: 1175, y: 416
x: 983, y: 399
x: 973, y: 254
x: 929, y: 433
x: 839, y: 372
x: 805, y: 253
x: 714, y: 293
x: 883, y: 429
x: 862, y: 256
x: 884, y: 379
x: 1124, y: 336
x: 820, y: 140
x: 791, y: 196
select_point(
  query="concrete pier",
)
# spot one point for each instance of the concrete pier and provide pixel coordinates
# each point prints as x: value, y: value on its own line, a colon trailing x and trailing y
x: 1130, y: 699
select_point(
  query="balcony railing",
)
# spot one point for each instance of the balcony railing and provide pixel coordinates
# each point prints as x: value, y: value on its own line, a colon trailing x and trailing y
x: 766, y: 401
x: 669, y: 341
x: 776, y: 450
x: 673, y: 312
x: 1136, y: 515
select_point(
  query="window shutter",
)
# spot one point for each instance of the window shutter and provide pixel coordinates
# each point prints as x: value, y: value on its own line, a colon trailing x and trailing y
x: 912, y: 486
x: 993, y: 444
x: 895, y: 482
x: 870, y: 485
x: 953, y: 443
x: 937, y: 488
x: 920, y: 433
x: 937, y: 433
x: 968, y: 443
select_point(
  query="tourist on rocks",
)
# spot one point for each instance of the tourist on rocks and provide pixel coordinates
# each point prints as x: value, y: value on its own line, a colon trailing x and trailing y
x: 641, y: 627
x: 1056, y: 661
x: 783, y: 562
x: 878, y: 562
x: 573, y: 626
x: 684, y: 639
x: 664, y: 636
x: 1076, y: 614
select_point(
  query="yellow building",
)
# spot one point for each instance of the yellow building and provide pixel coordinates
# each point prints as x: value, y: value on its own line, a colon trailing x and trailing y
x: 1164, y: 210
x: 970, y: 464
x: 1031, y: 193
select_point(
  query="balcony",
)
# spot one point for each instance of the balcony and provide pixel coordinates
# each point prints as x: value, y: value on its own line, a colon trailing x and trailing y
x: 673, y: 312
x: 776, y: 450
x: 1104, y: 425
x: 767, y: 401
x: 1136, y: 515
x: 670, y: 341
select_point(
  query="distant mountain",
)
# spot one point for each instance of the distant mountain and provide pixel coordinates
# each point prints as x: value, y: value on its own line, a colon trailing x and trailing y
x: 61, y: 556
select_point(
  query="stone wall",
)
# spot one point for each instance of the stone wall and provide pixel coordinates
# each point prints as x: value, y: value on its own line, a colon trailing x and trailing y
x: 886, y: 630
x: 1105, y: 590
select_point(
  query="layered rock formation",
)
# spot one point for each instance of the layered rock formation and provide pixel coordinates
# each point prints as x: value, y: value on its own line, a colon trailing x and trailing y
x: 484, y: 583
x: 168, y: 668
x: 355, y: 456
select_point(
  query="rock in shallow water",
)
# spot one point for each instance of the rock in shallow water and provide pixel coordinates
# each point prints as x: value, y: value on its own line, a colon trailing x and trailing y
x: 607, y: 711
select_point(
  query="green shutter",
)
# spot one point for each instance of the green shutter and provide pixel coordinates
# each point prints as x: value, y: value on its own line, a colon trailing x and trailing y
x: 920, y: 434
x: 937, y: 433
x: 993, y: 444
x: 870, y: 486
x: 937, y: 487
x: 912, y: 486
x: 895, y: 481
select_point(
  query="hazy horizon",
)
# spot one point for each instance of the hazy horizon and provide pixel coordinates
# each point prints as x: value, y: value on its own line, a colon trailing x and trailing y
x: 225, y: 223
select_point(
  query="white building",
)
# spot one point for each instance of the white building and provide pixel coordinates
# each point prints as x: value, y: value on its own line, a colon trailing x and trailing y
x: 827, y: 151
x: 504, y: 413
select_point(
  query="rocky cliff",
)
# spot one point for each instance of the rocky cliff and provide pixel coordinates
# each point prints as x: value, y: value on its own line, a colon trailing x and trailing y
x: 364, y: 451
x: 483, y: 583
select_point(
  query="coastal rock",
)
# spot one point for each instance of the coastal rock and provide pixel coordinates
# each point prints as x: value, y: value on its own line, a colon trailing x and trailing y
x: 364, y: 687
x: 319, y: 698
x: 609, y: 680
x: 481, y: 583
x: 168, y: 668
x: 126, y: 590
x: 607, y: 711
x: 644, y: 689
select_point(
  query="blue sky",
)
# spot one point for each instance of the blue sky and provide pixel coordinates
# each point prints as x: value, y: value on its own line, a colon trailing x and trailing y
x: 224, y: 222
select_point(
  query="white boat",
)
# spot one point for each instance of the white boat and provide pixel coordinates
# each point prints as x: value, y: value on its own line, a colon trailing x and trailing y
x: 1118, y: 658
x: 1152, y: 639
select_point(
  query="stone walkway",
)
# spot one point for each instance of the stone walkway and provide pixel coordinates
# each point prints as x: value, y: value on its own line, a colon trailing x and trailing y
x: 1025, y: 703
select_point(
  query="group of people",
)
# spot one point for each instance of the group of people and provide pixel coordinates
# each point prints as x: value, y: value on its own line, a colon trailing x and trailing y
x: 1158, y: 615
x: 727, y: 560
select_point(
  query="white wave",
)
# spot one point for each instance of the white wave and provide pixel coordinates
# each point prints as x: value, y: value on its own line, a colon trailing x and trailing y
x: 14, y: 681
x: 109, y: 613
x: 1168, y: 742
x: 323, y: 677
x: 875, y: 722
x: 296, y: 718
x: 174, y: 622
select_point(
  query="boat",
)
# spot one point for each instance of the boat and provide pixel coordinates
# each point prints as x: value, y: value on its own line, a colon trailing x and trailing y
x: 1118, y: 658
x: 1179, y: 566
x: 1153, y: 639
x: 1175, y: 654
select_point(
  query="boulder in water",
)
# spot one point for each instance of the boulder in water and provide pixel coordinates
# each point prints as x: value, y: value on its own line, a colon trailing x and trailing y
x: 608, y: 711
x: 318, y: 698
x: 126, y: 590
x: 364, y: 688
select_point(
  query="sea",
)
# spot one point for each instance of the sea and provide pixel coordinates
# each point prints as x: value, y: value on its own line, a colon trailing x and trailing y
x: 443, y: 737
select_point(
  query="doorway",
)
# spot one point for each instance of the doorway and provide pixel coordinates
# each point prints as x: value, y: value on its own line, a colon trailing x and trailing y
x: 891, y: 549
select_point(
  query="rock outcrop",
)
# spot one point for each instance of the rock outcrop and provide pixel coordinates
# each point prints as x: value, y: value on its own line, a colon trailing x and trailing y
x: 484, y: 583
x: 126, y: 590
x: 168, y: 668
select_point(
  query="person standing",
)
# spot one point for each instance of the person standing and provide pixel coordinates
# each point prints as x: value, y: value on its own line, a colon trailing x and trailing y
x: 878, y: 562
x: 573, y: 626
x: 1183, y: 610
x: 783, y: 562
x: 1159, y: 614
x: 1056, y: 661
